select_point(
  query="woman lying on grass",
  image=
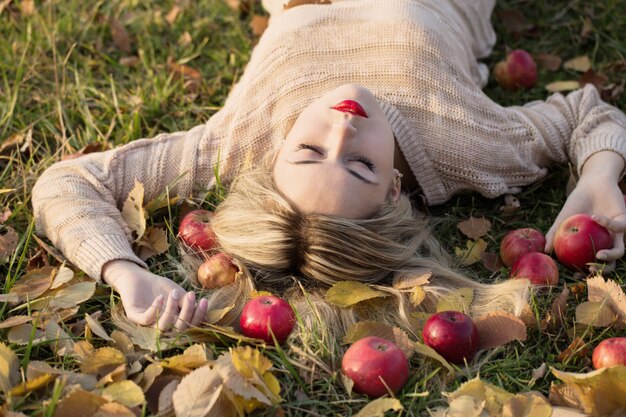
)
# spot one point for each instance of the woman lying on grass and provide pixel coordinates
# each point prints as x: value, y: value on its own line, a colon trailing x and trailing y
x: 343, y: 110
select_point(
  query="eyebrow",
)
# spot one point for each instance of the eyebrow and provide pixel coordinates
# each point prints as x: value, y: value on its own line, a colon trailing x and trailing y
x: 353, y: 173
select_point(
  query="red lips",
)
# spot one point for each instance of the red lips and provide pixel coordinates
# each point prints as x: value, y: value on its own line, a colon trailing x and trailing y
x: 350, y: 106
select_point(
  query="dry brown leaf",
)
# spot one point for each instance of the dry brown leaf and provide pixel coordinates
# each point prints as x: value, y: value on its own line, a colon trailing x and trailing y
x: 9, y: 240
x: 559, y: 306
x: 491, y: 261
x: 612, y: 91
x: 13, y: 142
x: 608, y: 292
x: 32, y: 385
x: 21, y: 334
x: 594, y: 313
x: 79, y: 403
x: 93, y: 146
x: 129, y: 61
x: 499, y: 328
x: 591, y: 77
x: 379, y: 406
x: 560, y: 86
x: 166, y: 403
x: 526, y: 405
x: 171, y: 16
x: 347, y: 293
x: 429, y: 352
x: 66, y: 297
x: 417, y: 278
x: 102, y: 361
x: 14, y: 321
x: 121, y: 38
x: 153, y: 242
x: 63, y: 276
x: 185, y: 39
x: 374, y: 328
x: 39, y: 368
x: 472, y: 253
x: 5, y: 215
x: 577, y: 349
x: 548, y: 61
x: 418, y: 295
x: 493, y: 396
x: 52, y: 251
x: 214, y: 316
x: 191, y: 77
x: 114, y: 410
x: 294, y: 3
x: 34, y: 283
x: 514, y: 22
x: 200, y: 393
x: 580, y: 63
x: 474, y: 227
x: 258, y: 24
x: 97, y: 328
x: 133, y: 212
x: 124, y: 392
x: 9, y: 368
x: 587, y: 28
x: 156, y: 388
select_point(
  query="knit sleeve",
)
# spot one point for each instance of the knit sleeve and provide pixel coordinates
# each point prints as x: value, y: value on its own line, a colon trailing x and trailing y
x: 77, y: 203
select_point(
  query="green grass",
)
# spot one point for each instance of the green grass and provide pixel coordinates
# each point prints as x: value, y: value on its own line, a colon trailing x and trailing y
x: 62, y: 87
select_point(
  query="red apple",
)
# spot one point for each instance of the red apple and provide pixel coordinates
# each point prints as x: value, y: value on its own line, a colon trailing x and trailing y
x: 520, y: 241
x: 195, y: 230
x: 538, y: 268
x: 452, y: 334
x: 374, y: 364
x: 217, y: 271
x: 519, y: 70
x: 266, y: 312
x: 578, y: 239
x: 609, y: 352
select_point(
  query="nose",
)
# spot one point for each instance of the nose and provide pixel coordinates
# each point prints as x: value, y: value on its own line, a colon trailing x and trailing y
x: 342, y: 132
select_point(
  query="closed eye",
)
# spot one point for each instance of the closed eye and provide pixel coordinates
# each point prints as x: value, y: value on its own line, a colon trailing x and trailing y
x: 313, y: 148
x: 365, y: 161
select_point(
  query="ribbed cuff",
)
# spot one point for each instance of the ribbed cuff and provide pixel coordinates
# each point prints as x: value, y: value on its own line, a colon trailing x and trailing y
x: 96, y: 251
x: 589, y: 146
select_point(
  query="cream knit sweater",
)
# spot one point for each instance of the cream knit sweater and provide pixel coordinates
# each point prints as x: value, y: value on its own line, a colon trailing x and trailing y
x: 419, y: 57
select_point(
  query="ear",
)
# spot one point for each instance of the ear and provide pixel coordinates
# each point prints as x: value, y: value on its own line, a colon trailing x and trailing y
x: 396, y: 187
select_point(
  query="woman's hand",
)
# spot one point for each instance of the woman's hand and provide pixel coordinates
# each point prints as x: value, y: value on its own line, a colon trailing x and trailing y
x: 598, y: 194
x: 151, y: 299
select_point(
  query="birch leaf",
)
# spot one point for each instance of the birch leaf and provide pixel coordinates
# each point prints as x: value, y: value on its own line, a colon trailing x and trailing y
x: 124, y: 392
x: 579, y: 63
x: 32, y: 384
x: 465, y: 406
x: 374, y: 328
x: 595, y: 313
x: 457, y: 300
x: 102, y: 360
x: 63, y: 276
x: 121, y: 38
x: 67, y: 297
x: 347, y: 293
x: 560, y: 86
x: 426, y: 350
x: 14, y: 321
x: 34, y: 283
x: 114, y: 410
x: 97, y: 328
x: 79, y: 403
x: 417, y: 296
x: 472, y: 253
x: 528, y: 404
x: 379, y: 407
x: 193, y: 357
x: 499, y: 328
x: 9, y: 240
x: 417, y: 278
x: 493, y: 396
x: 474, y: 227
x: 133, y: 213
x: 199, y: 394
x: 608, y: 292
x: 9, y: 368
x: 153, y: 242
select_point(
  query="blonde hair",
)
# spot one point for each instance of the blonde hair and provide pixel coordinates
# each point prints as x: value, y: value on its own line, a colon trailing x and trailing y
x: 298, y: 255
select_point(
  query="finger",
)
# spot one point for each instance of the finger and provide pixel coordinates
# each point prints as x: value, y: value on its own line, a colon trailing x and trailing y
x: 200, y: 314
x: 149, y: 316
x: 186, y: 311
x: 614, y: 225
x: 616, y: 252
x: 170, y: 314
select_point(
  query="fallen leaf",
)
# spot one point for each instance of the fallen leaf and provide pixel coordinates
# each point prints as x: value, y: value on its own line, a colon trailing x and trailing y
x: 39, y: 368
x: 121, y: 38
x: 185, y: 39
x: 465, y: 406
x: 418, y: 295
x: 514, y: 22
x: 133, y: 213
x: 192, y: 79
x: 27, y: 7
x: 129, y: 61
x: 114, y: 410
x: 429, y: 352
x: 472, y: 253
x: 587, y: 28
x: 63, y: 276
x: 193, y: 357
x: 457, y: 300
x: 153, y: 242
x: 417, y: 278
x: 9, y: 368
x: 4, y: 216
x: 13, y: 142
x: 9, y: 240
x: 102, y: 361
x: 548, y: 61
x: 374, y: 328
x: 165, y: 402
x: 607, y: 291
x: 527, y: 404
x: 379, y: 406
x: 124, y: 392
x: 199, y: 394
x: 511, y: 204
x: 579, y: 63
x: 499, y: 328
x: 258, y: 24
x: 595, y: 313
x: 214, y: 316
x: 559, y: 86
x: 591, y: 77
x: 14, y: 321
x: 612, y: 91
x: 493, y: 396
x: 79, y: 403
x: 33, y: 284
x: 491, y: 261
x: 91, y: 147
x: 294, y: 3
x: 539, y: 372
x: 66, y: 297
x: 474, y: 228
x: 171, y: 16
x: 97, y: 328
x: 32, y: 385
x: 347, y: 293
x: 559, y: 305
x: 577, y: 349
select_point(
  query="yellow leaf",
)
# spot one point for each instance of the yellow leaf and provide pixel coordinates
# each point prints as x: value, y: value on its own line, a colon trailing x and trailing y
x: 124, y: 392
x: 193, y: 357
x: 153, y: 242
x: 560, y: 86
x: 417, y: 278
x: 595, y: 313
x: 379, y: 407
x: 457, y: 300
x: 417, y: 296
x: 249, y: 361
x: 347, y: 293
x: 529, y: 404
x: 256, y: 293
x: 79, y: 403
x: 465, y: 406
x: 32, y: 385
x: 113, y: 410
x: 133, y: 213
x: 200, y: 394
x: 102, y: 359
x: 472, y: 253
x: 609, y: 292
x: 66, y: 297
x: 426, y: 350
x: 374, y: 328
x: 9, y: 368
x: 95, y: 327
x: 34, y: 283
x: 214, y: 316
x: 64, y: 275
x: 499, y: 328
x: 494, y: 397
x: 580, y: 64
x: 474, y: 228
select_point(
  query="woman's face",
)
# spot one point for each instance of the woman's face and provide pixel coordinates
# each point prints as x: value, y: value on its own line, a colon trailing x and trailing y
x: 338, y: 157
